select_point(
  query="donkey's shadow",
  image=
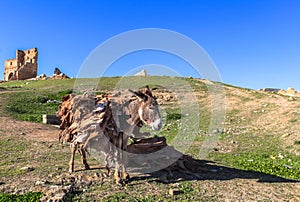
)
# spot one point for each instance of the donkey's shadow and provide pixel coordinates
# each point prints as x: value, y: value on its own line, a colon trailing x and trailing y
x: 208, y: 170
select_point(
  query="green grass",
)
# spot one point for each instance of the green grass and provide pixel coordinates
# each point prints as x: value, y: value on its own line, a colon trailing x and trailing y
x: 293, y: 120
x: 297, y: 142
x: 259, y: 152
x: 28, y: 197
x: 233, y: 112
x: 148, y: 192
x: 258, y: 95
x: 29, y: 106
x: 12, y: 156
x: 197, y: 85
x: 287, y: 166
x: 19, y: 152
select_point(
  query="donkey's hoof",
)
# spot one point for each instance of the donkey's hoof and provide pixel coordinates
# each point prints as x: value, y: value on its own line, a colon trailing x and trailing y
x: 119, y: 181
x: 108, y: 170
x: 125, y: 176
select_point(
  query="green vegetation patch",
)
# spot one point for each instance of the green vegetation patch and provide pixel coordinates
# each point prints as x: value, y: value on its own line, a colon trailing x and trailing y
x: 258, y: 95
x: 282, y: 165
x: 28, y: 197
x: 293, y: 120
x: 297, y: 142
x: 30, y: 106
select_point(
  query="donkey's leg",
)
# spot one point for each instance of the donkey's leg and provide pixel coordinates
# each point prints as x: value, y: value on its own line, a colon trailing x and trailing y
x: 124, y: 174
x: 117, y: 174
x: 83, y: 158
x: 124, y: 156
x: 108, y: 160
x: 116, y: 144
x: 71, y: 163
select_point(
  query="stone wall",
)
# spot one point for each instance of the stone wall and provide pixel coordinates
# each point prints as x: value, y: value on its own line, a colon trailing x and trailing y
x: 24, y: 66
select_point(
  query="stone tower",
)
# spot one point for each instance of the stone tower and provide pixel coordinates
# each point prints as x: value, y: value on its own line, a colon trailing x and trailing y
x: 24, y: 66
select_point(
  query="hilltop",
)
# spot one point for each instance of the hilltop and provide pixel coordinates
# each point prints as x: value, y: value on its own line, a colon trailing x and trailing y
x: 255, y: 157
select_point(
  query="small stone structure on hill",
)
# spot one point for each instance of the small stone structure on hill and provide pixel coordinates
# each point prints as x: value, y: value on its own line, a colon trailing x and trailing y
x: 58, y: 74
x: 141, y: 73
x: 24, y: 66
x: 289, y: 92
x: 271, y: 90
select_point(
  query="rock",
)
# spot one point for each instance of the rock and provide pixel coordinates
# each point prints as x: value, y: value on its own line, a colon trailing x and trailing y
x: 174, y: 192
x: 286, y: 135
x: 291, y: 92
x: 287, y: 166
x: 292, y: 98
x: 26, y: 168
x: 57, y: 193
x: 57, y: 71
x: 282, y: 92
x: 51, y: 119
x: 42, y: 76
x: 58, y: 74
x: 41, y: 182
x: 51, y: 175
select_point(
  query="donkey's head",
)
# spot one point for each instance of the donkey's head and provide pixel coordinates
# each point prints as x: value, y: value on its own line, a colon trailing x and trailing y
x: 146, y: 109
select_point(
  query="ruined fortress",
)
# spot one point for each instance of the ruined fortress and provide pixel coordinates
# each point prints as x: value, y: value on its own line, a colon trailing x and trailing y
x: 24, y: 66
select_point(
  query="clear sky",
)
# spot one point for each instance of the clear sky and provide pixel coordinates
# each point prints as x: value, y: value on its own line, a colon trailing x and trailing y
x: 254, y: 43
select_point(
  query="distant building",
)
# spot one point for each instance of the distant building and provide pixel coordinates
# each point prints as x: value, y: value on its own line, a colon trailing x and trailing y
x: 272, y: 90
x: 24, y: 66
x: 141, y: 73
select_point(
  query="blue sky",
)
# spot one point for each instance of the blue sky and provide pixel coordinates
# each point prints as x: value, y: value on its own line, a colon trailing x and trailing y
x: 254, y: 43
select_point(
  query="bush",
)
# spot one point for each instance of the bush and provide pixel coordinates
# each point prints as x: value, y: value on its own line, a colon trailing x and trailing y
x: 28, y: 197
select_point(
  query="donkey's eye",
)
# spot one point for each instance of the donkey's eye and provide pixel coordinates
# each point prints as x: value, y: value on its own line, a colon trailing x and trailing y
x: 152, y: 107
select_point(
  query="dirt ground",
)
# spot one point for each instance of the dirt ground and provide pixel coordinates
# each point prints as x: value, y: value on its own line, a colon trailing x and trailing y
x: 226, y: 184
x: 31, y: 131
x: 219, y: 183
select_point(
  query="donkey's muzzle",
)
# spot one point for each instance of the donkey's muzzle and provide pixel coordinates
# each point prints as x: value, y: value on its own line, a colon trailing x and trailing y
x: 156, y: 125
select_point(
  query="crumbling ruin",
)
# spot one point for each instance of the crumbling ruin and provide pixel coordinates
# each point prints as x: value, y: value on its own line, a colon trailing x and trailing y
x: 289, y: 92
x: 24, y: 66
x: 141, y: 73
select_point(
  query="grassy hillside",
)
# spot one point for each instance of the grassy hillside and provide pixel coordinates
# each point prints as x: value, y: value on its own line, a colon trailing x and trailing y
x: 260, y: 131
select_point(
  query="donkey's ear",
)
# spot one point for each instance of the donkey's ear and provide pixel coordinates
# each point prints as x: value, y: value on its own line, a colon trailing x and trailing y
x: 148, y: 91
x: 141, y: 96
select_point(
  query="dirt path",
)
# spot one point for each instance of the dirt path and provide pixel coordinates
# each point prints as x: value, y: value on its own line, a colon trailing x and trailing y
x: 31, y: 131
x: 36, y: 131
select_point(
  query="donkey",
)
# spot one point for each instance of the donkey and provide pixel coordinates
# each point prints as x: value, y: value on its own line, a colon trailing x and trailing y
x: 113, y: 124
x: 143, y: 110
